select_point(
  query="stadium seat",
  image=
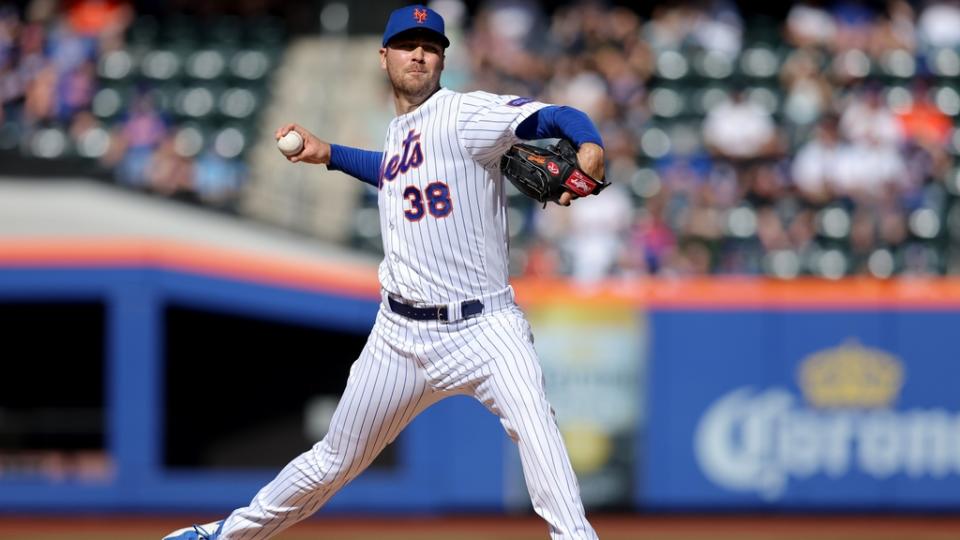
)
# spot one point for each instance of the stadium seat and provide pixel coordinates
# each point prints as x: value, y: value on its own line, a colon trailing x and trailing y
x: 953, y: 220
x: 671, y: 65
x: 250, y: 64
x: 237, y: 102
x: 667, y: 102
x: 925, y: 224
x: 944, y: 63
x: 190, y: 139
x: 644, y: 184
x: 829, y: 262
x: 768, y: 97
x: 161, y: 64
x: 759, y: 61
x: 205, y: 64
x: 115, y: 65
x: 833, y: 223
x: 952, y: 182
x: 782, y: 263
x: 713, y: 65
x: 110, y: 101
x: 947, y: 100
x: 197, y: 101
x: 741, y: 222
x: 50, y: 143
x: 897, y: 65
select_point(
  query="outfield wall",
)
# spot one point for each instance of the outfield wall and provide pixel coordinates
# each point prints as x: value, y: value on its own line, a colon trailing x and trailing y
x: 701, y: 394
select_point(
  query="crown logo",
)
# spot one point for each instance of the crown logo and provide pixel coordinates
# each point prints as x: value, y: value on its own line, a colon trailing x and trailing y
x: 851, y: 376
x: 420, y: 15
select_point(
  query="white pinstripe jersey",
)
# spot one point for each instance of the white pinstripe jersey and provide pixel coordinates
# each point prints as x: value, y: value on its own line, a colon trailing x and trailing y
x: 442, y: 204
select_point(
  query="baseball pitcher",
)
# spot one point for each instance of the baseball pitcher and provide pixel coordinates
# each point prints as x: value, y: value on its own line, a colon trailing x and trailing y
x: 448, y: 323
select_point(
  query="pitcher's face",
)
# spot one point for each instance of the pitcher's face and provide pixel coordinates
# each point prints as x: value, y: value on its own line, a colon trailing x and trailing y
x: 414, y: 64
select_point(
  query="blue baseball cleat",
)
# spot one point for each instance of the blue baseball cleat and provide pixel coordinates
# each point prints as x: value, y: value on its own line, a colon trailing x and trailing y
x: 210, y: 531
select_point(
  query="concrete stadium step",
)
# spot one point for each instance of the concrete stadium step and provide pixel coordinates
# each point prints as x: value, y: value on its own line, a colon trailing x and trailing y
x: 332, y: 86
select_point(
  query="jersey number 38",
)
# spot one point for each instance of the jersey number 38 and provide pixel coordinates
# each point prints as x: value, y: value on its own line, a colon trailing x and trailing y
x: 435, y: 198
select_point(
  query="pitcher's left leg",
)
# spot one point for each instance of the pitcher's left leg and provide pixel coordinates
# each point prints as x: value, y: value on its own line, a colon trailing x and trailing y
x: 512, y: 388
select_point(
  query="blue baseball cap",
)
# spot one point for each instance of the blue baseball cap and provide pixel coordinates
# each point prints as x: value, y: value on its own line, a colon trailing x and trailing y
x: 413, y: 18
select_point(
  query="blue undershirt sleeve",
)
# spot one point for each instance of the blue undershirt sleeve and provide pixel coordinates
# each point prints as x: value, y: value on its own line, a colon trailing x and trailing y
x: 361, y: 164
x: 559, y: 122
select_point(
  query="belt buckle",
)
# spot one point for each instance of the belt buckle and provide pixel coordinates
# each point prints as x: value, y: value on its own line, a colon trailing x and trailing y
x: 441, y: 316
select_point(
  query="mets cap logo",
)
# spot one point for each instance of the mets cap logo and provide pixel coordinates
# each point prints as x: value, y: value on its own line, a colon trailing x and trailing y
x: 420, y: 15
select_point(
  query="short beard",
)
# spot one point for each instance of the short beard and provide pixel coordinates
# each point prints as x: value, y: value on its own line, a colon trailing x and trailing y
x: 413, y: 91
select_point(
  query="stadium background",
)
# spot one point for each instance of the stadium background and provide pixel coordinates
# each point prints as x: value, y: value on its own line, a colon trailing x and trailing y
x: 754, y: 322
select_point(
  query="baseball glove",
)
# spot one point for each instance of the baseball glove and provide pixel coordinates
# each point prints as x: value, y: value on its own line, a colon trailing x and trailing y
x: 543, y: 174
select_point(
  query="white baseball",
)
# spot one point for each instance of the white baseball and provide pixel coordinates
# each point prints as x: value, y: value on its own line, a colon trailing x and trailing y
x: 291, y: 143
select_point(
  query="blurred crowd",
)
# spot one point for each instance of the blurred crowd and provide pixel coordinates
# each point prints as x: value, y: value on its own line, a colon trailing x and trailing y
x: 820, y: 144
x: 48, y: 69
x: 161, y: 104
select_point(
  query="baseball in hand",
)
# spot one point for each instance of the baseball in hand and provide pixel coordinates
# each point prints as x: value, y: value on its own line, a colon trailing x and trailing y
x: 291, y: 143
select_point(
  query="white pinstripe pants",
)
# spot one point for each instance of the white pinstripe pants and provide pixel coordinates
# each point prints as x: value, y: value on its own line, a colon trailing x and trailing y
x: 405, y: 367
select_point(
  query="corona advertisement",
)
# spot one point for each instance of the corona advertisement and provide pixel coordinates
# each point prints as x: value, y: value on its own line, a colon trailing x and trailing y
x: 806, y: 410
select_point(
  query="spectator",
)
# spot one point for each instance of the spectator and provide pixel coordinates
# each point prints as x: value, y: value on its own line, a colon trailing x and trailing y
x: 809, y: 25
x: 771, y: 231
x: 894, y: 30
x: 32, y: 60
x: 738, y: 129
x: 75, y: 91
x: 718, y: 27
x: 651, y: 242
x: 693, y: 258
x: 9, y: 27
x: 40, y: 96
x: 863, y: 239
x: 542, y: 260
x: 134, y: 142
x: 861, y: 143
x: 808, y: 92
x: 702, y: 219
x: 167, y: 172
x: 854, y: 21
x: 867, y: 117
x: 97, y: 18
x: 764, y: 185
x: 217, y: 179
x: 814, y: 169
x: 867, y: 169
x: 593, y: 234
x: 922, y: 121
x: 584, y: 89
x: 939, y: 24
x: 669, y: 27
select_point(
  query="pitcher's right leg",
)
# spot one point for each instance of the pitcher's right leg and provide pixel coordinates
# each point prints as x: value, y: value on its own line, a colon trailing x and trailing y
x: 384, y: 392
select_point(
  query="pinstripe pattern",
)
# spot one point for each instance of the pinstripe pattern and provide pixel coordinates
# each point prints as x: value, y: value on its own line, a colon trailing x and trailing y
x: 451, y: 251
x: 386, y: 389
x: 464, y: 254
x: 405, y: 367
